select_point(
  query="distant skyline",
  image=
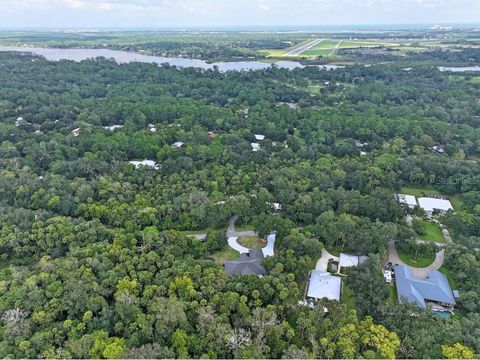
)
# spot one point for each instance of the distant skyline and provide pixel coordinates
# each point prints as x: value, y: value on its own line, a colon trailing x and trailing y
x: 223, y: 13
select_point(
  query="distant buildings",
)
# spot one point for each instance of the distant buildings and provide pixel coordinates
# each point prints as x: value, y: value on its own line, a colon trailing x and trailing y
x: 434, y: 290
x: 113, y: 127
x: 430, y: 205
x: 177, y: 145
x: 438, y: 149
x: 76, y: 132
x: 259, y: 137
x: 248, y: 264
x: 324, y: 285
x: 255, y: 146
x: 148, y: 163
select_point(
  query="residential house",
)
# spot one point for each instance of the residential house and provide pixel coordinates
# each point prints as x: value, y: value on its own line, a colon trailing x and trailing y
x: 434, y: 290
x: 148, y: 163
x: 347, y: 260
x: 324, y: 285
x: 431, y: 205
x: 247, y: 264
x: 177, y: 145
x: 408, y: 200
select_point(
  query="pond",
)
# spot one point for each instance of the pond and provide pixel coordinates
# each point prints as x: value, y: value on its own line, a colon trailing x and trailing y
x: 54, y: 54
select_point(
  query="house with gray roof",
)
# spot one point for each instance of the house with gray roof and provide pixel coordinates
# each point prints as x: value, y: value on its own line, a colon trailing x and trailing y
x: 434, y: 289
x: 247, y: 264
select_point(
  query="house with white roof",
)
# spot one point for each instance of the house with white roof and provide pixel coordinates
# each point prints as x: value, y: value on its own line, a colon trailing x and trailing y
x: 76, y: 132
x: 324, y: 285
x: 408, y: 200
x: 148, y: 163
x: 259, y: 137
x: 113, y: 127
x: 255, y: 146
x: 177, y: 145
x: 347, y: 260
x: 431, y: 205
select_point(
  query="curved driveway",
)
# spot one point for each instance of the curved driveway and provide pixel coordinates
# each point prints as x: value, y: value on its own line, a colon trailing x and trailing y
x: 233, y: 236
x: 418, y: 272
x: 322, y: 263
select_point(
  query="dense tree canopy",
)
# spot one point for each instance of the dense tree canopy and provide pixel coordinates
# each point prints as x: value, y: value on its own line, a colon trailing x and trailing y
x: 96, y: 260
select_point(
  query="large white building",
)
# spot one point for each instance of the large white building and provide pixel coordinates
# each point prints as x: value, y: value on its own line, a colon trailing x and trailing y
x: 433, y: 204
x: 324, y: 285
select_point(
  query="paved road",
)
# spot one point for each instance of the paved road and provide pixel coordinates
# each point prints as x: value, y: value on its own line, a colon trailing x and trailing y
x: 335, y: 48
x: 232, y: 232
x: 418, y: 272
x: 322, y: 263
x: 232, y: 242
x: 304, y: 47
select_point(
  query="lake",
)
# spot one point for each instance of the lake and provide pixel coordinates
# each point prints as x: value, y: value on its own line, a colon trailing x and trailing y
x: 53, y: 54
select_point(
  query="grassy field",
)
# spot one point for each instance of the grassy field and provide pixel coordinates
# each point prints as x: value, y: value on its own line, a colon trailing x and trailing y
x: 418, y: 192
x: 432, y: 232
x: 252, y: 242
x: 225, y: 255
x: 411, y: 260
x: 392, y: 293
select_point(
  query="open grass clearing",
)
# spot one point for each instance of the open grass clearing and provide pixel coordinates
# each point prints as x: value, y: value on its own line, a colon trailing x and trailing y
x: 225, y: 255
x: 418, y: 192
x: 252, y: 242
x: 432, y: 232
x: 415, y: 261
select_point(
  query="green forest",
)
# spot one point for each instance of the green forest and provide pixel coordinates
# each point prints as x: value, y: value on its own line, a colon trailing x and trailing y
x: 97, y: 257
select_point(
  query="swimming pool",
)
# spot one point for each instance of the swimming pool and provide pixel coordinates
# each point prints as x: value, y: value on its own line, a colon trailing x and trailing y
x: 443, y: 314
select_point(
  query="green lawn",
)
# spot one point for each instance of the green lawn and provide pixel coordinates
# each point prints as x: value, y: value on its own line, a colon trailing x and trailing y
x: 226, y: 255
x: 432, y: 232
x: 252, y: 242
x: 392, y: 293
x: 419, y: 262
x: 418, y: 192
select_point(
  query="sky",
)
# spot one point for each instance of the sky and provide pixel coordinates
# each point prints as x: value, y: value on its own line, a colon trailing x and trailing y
x: 222, y: 13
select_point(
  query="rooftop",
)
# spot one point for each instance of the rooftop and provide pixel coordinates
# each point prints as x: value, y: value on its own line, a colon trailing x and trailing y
x: 149, y: 163
x: 434, y: 288
x: 247, y: 264
x: 347, y: 260
x: 407, y: 199
x: 324, y: 285
x: 431, y: 204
